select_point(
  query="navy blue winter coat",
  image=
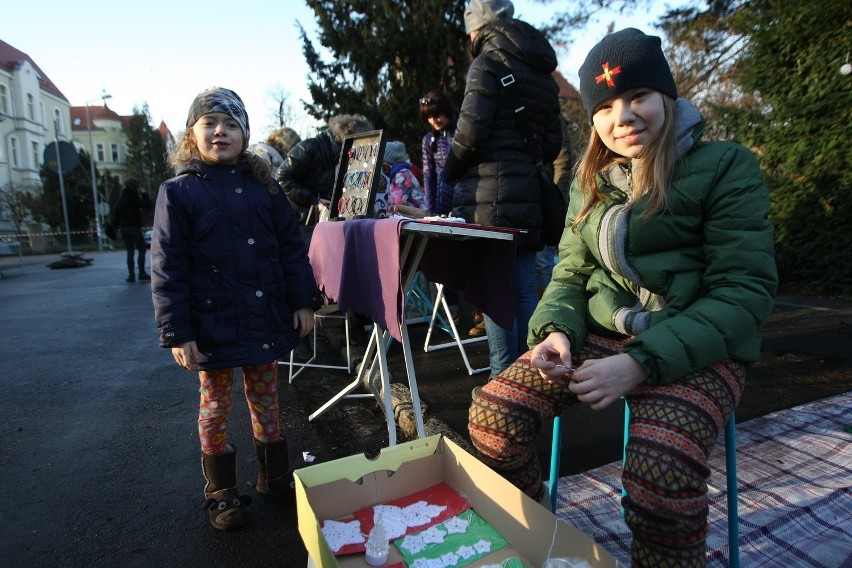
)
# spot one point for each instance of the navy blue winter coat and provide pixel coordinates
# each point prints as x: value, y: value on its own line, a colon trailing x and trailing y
x: 228, y: 267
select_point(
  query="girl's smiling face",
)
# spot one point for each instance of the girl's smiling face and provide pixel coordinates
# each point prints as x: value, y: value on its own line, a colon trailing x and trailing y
x: 627, y: 123
x: 219, y: 138
x: 438, y: 122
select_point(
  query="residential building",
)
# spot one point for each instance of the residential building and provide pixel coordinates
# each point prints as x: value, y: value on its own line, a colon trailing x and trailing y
x: 33, y: 113
x: 567, y: 91
x: 102, y: 133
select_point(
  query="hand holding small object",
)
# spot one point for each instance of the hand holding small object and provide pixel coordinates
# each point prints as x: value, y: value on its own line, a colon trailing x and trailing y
x: 557, y: 373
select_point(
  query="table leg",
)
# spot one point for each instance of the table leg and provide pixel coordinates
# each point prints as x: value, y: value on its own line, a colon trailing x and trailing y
x: 374, y: 355
x: 412, y: 383
x: 367, y: 365
x: 381, y: 355
x: 441, y: 303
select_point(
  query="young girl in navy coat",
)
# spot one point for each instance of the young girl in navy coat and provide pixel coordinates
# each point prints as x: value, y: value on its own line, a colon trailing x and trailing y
x: 232, y: 287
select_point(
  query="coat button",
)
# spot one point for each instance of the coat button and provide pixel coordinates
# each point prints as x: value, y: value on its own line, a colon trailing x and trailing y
x: 208, y: 302
x: 259, y: 293
x: 266, y: 346
x: 238, y: 190
x: 250, y: 241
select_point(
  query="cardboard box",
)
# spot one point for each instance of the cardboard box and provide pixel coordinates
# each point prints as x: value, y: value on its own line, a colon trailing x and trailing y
x: 336, y: 489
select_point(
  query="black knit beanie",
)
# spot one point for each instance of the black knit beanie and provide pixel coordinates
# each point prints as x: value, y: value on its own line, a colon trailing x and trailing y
x: 621, y: 61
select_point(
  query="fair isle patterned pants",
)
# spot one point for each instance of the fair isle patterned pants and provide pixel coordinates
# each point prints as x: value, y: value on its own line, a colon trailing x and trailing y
x: 672, y: 430
x: 260, y: 383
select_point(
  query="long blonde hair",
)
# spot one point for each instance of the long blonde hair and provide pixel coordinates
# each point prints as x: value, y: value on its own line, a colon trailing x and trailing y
x: 651, y: 173
x: 186, y: 152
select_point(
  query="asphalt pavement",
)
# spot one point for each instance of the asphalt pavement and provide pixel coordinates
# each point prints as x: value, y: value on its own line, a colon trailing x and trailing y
x: 100, y: 458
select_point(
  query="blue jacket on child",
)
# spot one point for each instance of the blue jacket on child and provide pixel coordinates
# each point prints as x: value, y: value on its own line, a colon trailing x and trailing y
x: 228, y: 266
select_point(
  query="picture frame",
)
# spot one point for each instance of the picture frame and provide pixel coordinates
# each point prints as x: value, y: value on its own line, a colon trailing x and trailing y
x: 360, y: 184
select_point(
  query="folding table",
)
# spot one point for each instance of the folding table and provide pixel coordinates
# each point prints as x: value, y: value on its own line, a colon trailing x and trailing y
x: 368, y: 266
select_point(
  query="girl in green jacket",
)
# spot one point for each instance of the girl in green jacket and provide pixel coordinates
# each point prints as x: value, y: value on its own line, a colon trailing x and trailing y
x: 666, y: 274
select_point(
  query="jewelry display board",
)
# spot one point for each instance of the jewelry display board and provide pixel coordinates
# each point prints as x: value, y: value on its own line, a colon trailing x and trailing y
x: 360, y: 186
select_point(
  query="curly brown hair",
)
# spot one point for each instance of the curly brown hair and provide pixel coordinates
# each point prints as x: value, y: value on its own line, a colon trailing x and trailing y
x: 282, y: 139
x: 185, y: 153
x: 344, y: 125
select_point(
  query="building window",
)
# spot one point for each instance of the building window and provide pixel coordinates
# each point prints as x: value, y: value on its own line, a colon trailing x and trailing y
x: 99, y: 151
x: 15, y: 158
x: 31, y: 107
x: 57, y: 121
x: 78, y: 122
x: 4, y: 104
x: 36, y: 157
x: 113, y: 150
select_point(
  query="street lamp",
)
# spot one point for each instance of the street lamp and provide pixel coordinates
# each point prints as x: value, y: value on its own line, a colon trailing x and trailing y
x: 98, y: 224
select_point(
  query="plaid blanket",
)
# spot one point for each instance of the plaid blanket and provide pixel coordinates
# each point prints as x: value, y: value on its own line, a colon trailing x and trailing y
x: 795, y: 492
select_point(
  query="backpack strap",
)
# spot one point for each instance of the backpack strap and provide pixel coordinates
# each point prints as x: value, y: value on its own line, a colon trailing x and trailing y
x: 507, y: 81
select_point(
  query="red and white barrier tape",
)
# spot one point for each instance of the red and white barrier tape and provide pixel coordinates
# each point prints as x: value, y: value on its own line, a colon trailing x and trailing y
x: 53, y: 234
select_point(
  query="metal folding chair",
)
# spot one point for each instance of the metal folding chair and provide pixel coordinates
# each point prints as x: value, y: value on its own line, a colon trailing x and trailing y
x: 329, y: 312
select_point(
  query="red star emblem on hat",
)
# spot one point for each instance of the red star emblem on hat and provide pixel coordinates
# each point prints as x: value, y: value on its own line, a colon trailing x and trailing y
x: 607, y: 74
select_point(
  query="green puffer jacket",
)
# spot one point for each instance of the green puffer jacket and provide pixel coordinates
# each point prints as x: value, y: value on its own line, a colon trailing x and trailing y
x: 690, y: 287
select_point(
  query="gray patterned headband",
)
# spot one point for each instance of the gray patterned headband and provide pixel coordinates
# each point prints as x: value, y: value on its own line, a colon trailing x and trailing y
x: 219, y: 99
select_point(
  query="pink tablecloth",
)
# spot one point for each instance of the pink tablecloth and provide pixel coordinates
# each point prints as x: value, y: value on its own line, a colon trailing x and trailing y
x: 356, y: 263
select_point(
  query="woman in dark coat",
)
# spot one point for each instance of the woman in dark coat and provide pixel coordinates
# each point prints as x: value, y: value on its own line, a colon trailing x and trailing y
x: 497, y: 181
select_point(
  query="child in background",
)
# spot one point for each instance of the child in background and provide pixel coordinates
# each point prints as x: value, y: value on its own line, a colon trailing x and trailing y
x: 232, y: 287
x: 404, y: 189
x: 666, y: 274
x: 437, y: 112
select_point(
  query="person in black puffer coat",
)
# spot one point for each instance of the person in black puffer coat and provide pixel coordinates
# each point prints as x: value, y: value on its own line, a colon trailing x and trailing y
x: 127, y: 217
x: 307, y: 174
x: 496, y: 179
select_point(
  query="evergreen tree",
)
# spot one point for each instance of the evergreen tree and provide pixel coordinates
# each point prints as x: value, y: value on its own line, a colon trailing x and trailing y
x: 384, y: 55
x: 78, y: 197
x: 793, y: 67
x: 146, y: 151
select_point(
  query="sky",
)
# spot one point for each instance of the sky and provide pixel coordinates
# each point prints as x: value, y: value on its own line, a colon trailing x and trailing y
x: 163, y: 53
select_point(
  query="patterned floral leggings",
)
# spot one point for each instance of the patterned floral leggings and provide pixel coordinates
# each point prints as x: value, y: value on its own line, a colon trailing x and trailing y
x: 260, y: 383
x: 672, y: 430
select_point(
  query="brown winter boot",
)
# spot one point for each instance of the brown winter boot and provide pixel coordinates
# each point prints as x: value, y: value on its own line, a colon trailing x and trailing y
x: 273, y: 477
x: 224, y: 506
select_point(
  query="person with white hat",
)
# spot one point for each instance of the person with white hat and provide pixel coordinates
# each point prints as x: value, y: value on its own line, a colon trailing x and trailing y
x: 496, y: 177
